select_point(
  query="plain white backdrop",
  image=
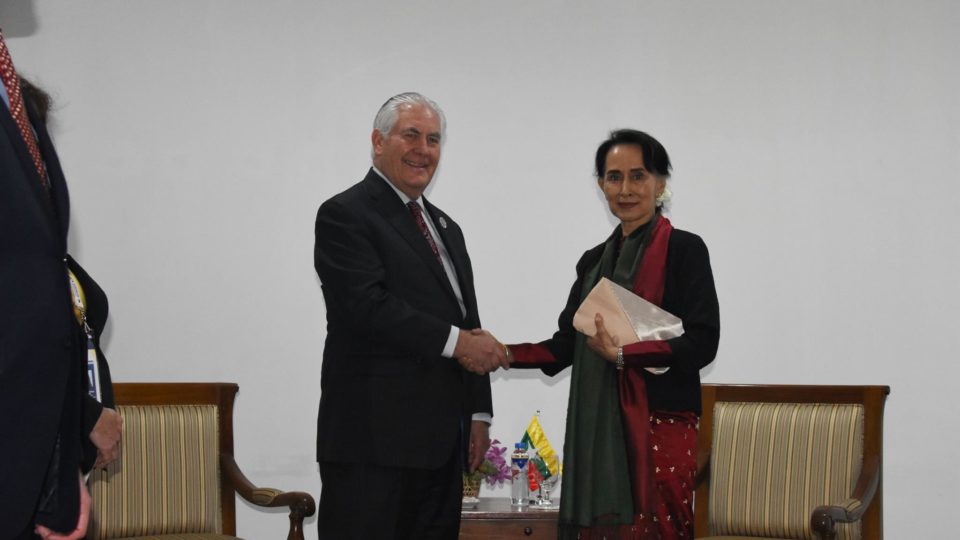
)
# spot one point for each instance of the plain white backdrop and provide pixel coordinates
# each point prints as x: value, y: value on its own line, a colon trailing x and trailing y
x: 815, y: 147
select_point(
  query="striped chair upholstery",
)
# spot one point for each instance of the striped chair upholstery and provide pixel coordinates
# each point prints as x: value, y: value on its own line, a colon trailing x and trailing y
x: 166, y: 484
x: 790, y: 461
x: 772, y: 463
x: 177, y: 478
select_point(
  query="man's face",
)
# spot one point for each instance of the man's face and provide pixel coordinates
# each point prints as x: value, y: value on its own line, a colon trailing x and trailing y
x: 409, y: 154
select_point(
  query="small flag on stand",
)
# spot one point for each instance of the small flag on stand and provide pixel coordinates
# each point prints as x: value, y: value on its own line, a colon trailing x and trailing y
x: 544, y: 464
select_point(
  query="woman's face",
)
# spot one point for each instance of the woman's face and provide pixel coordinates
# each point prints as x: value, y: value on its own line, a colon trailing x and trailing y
x: 631, y: 190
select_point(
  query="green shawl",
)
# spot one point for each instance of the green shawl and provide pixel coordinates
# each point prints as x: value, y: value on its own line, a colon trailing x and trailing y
x: 596, y: 489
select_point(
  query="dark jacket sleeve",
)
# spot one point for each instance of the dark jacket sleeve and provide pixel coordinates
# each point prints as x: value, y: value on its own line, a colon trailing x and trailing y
x: 689, y: 293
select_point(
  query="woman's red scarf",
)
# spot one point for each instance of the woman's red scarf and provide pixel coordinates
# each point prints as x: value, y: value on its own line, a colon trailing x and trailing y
x: 648, y: 284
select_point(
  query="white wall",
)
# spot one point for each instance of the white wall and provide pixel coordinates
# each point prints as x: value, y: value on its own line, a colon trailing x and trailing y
x: 815, y: 147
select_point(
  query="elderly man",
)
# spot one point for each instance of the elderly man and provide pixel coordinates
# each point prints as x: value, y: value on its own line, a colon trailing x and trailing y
x: 403, y: 382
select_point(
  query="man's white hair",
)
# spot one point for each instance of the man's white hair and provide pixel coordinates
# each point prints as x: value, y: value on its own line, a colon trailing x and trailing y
x: 387, y: 115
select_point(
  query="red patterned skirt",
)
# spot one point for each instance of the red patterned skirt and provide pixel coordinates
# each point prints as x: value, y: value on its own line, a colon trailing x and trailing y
x: 673, y: 436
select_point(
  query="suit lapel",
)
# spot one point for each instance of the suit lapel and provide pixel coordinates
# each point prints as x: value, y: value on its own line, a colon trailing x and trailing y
x: 13, y: 132
x: 398, y: 216
x: 457, y: 251
x: 58, y: 188
x: 58, y: 185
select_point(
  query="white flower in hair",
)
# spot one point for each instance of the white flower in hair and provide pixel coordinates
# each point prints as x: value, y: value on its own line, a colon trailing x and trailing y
x: 664, y: 196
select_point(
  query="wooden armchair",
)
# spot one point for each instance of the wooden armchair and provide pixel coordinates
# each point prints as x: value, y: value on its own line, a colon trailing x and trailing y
x: 790, y: 462
x: 176, y: 476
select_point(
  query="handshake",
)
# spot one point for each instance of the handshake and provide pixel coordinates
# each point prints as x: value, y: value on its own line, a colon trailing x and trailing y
x: 479, y: 352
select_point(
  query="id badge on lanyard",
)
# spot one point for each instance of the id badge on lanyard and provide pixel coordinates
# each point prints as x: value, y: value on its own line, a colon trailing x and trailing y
x: 93, y: 366
x: 93, y: 370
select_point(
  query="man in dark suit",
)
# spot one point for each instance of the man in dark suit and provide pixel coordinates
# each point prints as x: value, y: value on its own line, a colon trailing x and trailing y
x: 42, y: 349
x: 404, y: 384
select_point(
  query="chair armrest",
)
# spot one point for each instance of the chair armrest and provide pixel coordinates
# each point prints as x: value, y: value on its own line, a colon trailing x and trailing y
x: 301, y: 504
x: 824, y: 518
x: 703, y: 468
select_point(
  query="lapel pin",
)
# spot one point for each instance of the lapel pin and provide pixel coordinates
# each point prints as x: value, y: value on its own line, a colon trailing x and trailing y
x: 443, y: 222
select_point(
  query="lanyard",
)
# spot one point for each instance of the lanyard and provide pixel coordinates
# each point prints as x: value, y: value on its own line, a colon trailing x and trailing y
x: 80, y: 311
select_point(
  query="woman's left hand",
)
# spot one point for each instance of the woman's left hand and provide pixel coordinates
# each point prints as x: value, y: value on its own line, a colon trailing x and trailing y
x: 603, y: 343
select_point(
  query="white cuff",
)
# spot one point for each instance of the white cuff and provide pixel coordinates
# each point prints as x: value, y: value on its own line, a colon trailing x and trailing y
x: 483, y: 417
x: 451, y: 342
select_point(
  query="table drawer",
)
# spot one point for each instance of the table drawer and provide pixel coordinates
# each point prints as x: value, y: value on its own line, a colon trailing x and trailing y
x: 499, y: 529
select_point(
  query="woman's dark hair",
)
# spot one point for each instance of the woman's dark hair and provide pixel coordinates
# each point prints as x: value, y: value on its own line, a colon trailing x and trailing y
x: 655, y: 156
x: 37, y: 97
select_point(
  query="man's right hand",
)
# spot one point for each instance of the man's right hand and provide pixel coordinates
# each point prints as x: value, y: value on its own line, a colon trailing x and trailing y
x: 106, y: 437
x: 479, y: 352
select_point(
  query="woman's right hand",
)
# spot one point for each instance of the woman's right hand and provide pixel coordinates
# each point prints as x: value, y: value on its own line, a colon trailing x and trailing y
x: 603, y: 343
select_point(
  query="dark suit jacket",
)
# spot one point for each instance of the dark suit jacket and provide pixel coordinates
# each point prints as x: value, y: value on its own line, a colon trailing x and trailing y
x: 387, y: 395
x: 41, y: 357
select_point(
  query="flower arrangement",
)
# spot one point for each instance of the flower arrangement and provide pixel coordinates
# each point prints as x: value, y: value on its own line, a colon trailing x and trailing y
x: 494, y: 470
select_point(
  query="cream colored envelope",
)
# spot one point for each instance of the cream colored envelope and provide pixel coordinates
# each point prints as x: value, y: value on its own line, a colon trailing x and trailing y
x: 628, y: 317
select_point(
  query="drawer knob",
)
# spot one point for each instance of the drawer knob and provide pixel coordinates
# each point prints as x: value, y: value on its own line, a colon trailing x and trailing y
x: 527, y: 531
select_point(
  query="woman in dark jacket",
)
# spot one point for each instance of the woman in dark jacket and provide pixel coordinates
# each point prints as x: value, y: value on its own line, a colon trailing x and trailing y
x: 631, y: 437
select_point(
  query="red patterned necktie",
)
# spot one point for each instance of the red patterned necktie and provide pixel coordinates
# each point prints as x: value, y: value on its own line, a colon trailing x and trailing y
x: 12, y: 83
x: 422, y: 225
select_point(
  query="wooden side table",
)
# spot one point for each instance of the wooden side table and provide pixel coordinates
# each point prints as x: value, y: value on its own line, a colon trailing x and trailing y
x: 495, y: 519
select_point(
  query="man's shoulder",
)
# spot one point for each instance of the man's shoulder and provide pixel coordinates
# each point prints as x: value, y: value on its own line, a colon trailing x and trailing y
x: 347, y: 197
x: 360, y: 193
